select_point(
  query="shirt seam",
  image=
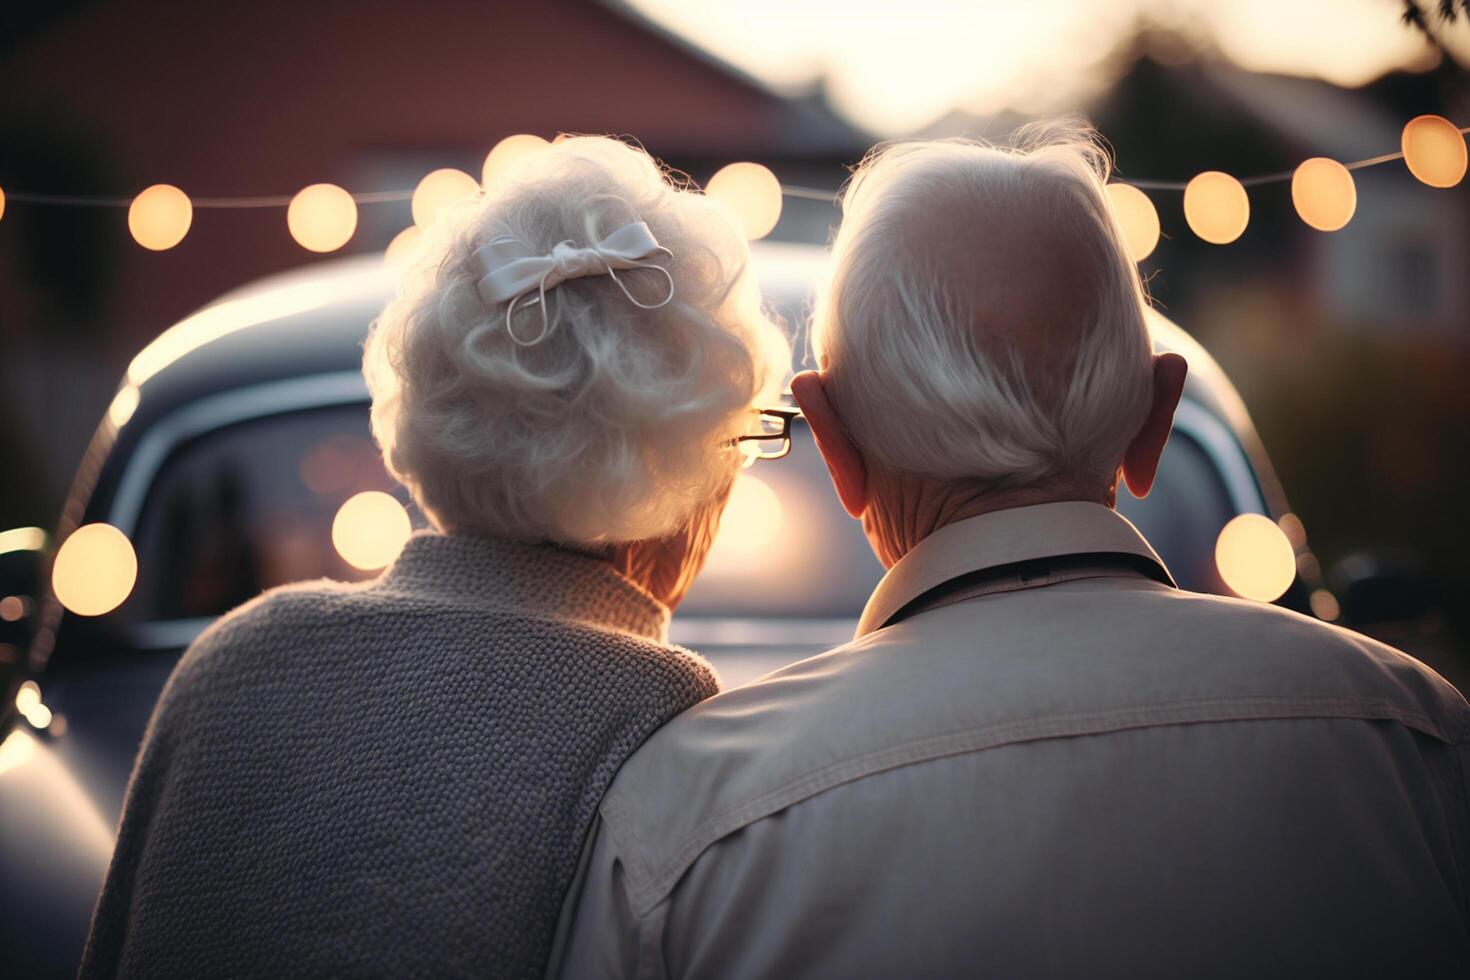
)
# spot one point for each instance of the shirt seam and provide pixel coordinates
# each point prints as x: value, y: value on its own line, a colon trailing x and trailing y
x: 649, y: 885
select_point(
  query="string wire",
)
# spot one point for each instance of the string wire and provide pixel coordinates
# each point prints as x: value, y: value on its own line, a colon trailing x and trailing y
x: 787, y: 190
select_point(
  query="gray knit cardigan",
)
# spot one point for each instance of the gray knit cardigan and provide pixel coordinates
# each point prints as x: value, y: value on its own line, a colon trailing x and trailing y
x: 387, y: 780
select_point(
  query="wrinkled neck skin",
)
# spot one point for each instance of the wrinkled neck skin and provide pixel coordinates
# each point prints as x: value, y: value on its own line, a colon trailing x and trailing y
x: 904, y: 509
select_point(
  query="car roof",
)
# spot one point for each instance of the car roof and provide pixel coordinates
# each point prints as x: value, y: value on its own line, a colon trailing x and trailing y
x: 310, y: 323
x: 313, y: 319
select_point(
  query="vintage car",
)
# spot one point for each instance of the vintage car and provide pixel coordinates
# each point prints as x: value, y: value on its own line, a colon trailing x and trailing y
x: 237, y: 435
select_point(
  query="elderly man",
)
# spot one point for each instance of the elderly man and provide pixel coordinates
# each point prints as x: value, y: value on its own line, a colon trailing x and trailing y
x: 1038, y: 758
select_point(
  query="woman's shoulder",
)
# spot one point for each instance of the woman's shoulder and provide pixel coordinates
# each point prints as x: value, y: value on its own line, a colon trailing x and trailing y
x: 284, y: 621
x: 282, y: 616
x: 621, y: 659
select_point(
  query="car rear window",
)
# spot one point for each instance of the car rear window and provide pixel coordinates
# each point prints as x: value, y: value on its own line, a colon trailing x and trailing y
x: 251, y: 506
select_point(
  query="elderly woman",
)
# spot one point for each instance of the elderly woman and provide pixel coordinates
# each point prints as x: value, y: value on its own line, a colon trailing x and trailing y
x: 396, y: 778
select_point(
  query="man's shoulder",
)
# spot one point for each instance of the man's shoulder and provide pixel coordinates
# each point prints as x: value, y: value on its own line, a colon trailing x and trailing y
x: 740, y: 756
x: 978, y: 676
x: 1294, y: 653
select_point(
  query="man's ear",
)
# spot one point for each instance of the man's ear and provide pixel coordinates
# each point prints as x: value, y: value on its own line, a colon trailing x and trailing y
x: 844, y: 461
x: 1141, y: 459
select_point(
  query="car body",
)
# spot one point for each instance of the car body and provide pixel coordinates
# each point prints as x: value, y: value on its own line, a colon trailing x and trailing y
x: 237, y: 433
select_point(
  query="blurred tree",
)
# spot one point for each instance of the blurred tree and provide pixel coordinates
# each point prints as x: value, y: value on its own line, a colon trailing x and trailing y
x: 19, y: 19
x: 65, y: 256
x: 1417, y: 15
x: 22, y: 500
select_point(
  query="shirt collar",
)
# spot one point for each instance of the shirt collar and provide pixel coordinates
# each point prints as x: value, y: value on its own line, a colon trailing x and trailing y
x: 1005, y: 537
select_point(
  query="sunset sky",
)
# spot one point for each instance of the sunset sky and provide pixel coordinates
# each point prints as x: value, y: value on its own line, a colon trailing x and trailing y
x: 893, y: 67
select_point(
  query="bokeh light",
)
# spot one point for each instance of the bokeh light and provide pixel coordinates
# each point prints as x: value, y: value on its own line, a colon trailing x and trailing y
x: 437, y: 191
x: 322, y: 217
x: 1138, y: 218
x: 95, y: 570
x: 22, y: 539
x: 1324, y: 193
x: 12, y: 609
x: 2, y: 202
x: 27, y: 697
x: 506, y: 155
x: 370, y: 530
x: 751, y: 193
x: 1294, y: 529
x: 751, y: 523
x: 1216, y: 207
x: 1434, y: 150
x: 1254, y: 558
x: 343, y: 462
x: 16, y: 750
x: 28, y: 703
x: 160, y: 217
x: 124, y: 404
x: 1325, y: 606
x: 400, y: 250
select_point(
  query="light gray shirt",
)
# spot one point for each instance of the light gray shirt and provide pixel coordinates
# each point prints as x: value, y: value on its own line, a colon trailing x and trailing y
x: 1056, y: 765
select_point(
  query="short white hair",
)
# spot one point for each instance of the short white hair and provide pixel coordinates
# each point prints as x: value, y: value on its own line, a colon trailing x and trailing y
x: 940, y: 361
x: 615, y: 427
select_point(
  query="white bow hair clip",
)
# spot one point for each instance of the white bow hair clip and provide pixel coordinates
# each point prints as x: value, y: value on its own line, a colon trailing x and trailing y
x: 512, y: 270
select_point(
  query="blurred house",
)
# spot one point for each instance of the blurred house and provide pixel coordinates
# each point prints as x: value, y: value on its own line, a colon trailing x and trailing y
x: 108, y: 97
x: 1398, y: 265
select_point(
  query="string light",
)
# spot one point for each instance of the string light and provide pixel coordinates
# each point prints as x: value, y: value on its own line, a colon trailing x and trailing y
x: 1216, y: 207
x: 1215, y: 204
x: 751, y: 193
x: 1138, y: 218
x: 95, y: 570
x: 400, y: 250
x: 1254, y: 558
x: 1324, y: 194
x: 507, y: 155
x: 1434, y: 150
x: 437, y: 191
x: 322, y: 217
x: 160, y: 217
x: 370, y: 530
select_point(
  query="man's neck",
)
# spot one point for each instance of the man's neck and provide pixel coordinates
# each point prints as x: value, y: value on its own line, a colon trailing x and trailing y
x: 904, y: 510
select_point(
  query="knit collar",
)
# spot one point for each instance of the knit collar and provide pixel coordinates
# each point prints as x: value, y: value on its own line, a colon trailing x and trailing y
x: 537, y: 579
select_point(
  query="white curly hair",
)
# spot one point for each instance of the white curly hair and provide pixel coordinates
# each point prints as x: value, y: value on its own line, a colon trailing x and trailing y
x: 982, y: 318
x: 616, y: 427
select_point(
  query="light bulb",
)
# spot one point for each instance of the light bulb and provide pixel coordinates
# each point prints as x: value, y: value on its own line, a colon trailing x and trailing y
x: 1138, y: 218
x: 160, y: 217
x: 751, y: 193
x: 1434, y: 151
x: 437, y: 191
x: 322, y: 217
x: 95, y: 570
x: 1324, y: 193
x: 1216, y: 207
